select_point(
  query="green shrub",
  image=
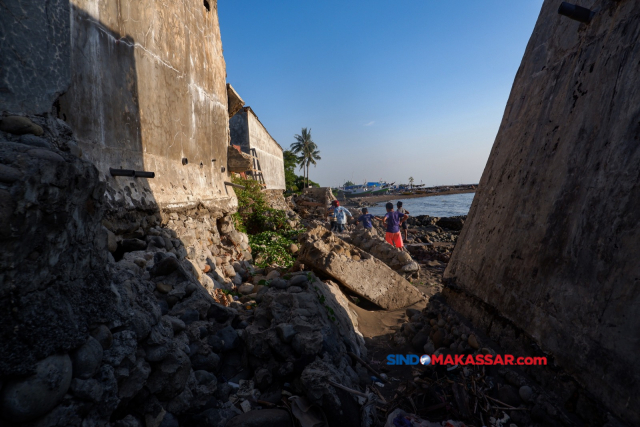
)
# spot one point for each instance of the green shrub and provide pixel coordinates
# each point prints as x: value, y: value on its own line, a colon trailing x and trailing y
x: 271, y: 248
x: 254, y: 215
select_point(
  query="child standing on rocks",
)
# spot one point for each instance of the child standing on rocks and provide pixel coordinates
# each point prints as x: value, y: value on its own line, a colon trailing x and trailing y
x: 366, y: 219
x: 392, y: 221
x: 341, y: 214
x: 404, y: 226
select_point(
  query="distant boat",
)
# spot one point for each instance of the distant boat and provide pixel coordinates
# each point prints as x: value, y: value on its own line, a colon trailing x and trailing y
x: 368, y: 189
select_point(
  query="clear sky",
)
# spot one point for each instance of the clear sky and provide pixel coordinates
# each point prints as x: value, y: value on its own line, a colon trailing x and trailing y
x: 390, y: 89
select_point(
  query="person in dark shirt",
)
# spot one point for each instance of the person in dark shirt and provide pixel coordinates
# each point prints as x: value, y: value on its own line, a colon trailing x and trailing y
x: 366, y: 219
x: 404, y: 226
x: 392, y: 221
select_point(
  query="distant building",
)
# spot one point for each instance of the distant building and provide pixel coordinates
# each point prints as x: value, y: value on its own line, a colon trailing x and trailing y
x: 254, y: 139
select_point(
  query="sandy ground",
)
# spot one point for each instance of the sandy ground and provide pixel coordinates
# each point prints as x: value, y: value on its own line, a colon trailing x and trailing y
x: 387, y: 197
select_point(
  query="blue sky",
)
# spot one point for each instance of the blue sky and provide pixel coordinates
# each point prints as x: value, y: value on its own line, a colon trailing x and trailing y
x: 390, y: 89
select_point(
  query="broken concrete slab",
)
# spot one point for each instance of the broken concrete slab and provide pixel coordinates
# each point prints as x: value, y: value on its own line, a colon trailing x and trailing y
x: 366, y: 276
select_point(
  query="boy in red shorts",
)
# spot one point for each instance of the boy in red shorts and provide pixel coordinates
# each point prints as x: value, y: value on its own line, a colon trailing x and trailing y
x: 392, y: 221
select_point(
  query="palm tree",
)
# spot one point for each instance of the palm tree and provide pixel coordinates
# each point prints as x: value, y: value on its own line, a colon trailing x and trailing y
x: 307, y: 152
x: 411, y: 181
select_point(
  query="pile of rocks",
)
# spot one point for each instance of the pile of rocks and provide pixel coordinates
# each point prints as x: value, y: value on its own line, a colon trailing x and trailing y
x: 312, y: 204
x: 427, y: 229
x: 111, y: 321
x: 373, y: 242
x: 511, y: 397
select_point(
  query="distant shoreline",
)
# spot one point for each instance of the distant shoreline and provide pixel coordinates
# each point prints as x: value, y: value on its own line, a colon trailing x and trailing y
x: 386, y: 197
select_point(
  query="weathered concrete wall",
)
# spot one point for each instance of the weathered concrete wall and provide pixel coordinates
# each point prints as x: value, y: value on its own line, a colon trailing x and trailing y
x: 34, y: 54
x: 552, y: 239
x: 248, y: 132
x: 147, y: 91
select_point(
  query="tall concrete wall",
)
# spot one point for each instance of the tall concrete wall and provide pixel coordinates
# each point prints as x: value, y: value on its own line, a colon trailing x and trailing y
x: 34, y: 54
x: 147, y: 91
x: 550, y: 249
x: 248, y: 132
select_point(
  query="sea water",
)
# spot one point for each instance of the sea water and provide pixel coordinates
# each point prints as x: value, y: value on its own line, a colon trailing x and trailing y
x: 447, y: 205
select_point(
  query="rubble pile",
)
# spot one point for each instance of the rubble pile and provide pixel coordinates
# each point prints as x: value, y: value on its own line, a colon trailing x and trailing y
x: 496, y: 395
x: 356, y: 270
x: 312, y: 204
x: 373, y: 242
x: 133, y: 320
x: 427, y: 229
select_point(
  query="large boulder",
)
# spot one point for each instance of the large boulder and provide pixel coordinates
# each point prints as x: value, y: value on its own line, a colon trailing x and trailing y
x: 364, y: 275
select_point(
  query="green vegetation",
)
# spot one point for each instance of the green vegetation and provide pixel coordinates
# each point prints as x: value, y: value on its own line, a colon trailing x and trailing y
x: 307, y: 152
x: 254, y: 215
x: 270, y: 234
x: 271, y: 248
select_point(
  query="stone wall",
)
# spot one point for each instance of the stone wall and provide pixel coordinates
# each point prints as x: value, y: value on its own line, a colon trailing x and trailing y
x: 148, y: 92
x: 249, y: 133
x: 548, y: 256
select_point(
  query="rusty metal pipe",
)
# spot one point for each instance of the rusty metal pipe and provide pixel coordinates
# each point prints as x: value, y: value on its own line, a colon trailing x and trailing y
x: 145, y: 174
x: 122, y: 172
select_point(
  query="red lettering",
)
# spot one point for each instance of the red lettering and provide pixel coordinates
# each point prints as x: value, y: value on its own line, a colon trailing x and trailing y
x: 479, y: 359
x: 448, y: 360
x: 436, y: 359
x: 469, y: 360
x: 508, y: 359
x: 488, y: 359
x: 498, y: 360
x: 539, y: 360
x: 458, y: 359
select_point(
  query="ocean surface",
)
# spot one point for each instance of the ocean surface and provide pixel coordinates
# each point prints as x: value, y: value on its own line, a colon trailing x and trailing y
x: 449, y: 205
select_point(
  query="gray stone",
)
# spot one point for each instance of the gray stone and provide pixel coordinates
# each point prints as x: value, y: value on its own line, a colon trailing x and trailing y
x: 419, y: 340
x: 170, y: 376
x: 124, y: 346
x: 228, y: 270
x: 130, y: 245
x: 229, y: 336
x: 35, y: 141
x: 90, y: 389
x: 294, y: 289
x: 286, y: 332
x: 473, y: 342
x: 9, y: 174
x: 410, y: 312
x: 18, y: 125
x: 429, y: 348
x: 204, y: 377
x: 526, y: 393
x: 176, y: 324
x: 299, y: 280
x: 273, y: 274
x: 279, y: 284
x: 87, y: 359
x: 128, y: 421
x: 189, y: 316
x: 103, y: 335
x: 246, y: 289
x: 26, y: 399
x: 205, y: 362
x: 43, y: 154
x: 112, y: 243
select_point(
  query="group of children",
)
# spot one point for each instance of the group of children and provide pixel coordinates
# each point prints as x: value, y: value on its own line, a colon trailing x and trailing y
x: 394, y: 221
